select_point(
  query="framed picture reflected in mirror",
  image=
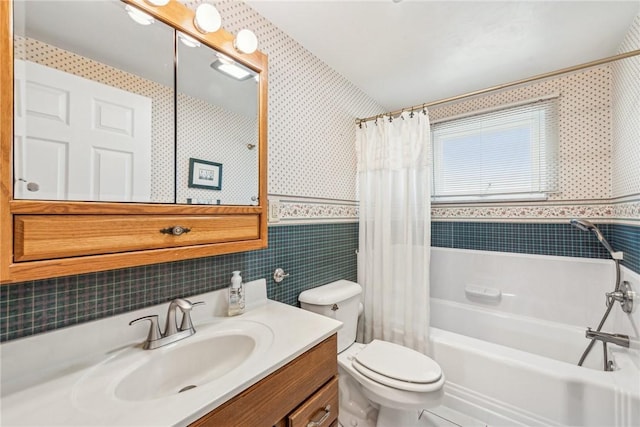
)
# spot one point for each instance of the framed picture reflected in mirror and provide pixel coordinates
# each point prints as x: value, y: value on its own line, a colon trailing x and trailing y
x: 205, y: 174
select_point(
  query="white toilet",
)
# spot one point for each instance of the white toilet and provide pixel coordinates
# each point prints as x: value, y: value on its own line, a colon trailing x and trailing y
x: 381, y: 383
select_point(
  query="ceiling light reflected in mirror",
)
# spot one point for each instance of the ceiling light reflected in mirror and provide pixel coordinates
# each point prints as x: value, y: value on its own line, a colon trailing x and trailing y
x: 187, y: 40
x: 139, y: 16
x: 228, y: 66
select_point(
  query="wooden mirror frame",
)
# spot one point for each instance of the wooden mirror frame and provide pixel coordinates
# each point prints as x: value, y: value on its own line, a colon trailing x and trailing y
x: 179, y: 17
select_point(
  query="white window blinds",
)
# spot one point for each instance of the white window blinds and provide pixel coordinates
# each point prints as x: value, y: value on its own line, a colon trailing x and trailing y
x: 505, y: 154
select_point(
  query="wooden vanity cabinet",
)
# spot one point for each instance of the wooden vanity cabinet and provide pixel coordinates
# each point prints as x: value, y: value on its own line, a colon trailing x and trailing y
x: 301, y: 392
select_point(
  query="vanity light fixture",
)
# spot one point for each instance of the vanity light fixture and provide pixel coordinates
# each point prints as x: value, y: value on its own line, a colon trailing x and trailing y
x: 228, y: 66
x: 139, y: 16
x: 158, y: 2
x: 187, y: 40
x: 246, y: 42
x: 207, y: 19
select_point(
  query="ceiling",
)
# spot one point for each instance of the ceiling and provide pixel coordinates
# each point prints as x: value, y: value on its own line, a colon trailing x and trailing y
x: 411, y: 52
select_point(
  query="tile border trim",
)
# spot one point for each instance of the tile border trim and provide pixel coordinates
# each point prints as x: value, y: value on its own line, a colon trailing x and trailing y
x: 297, y: 210
x: 615, y: 212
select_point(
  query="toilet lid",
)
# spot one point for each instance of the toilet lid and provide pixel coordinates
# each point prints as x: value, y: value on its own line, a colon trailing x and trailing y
x: 382, y: 359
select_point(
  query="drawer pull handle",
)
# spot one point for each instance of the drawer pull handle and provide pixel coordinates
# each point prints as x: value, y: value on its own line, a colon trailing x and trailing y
x: 325, y: 417
x: 176, y: 230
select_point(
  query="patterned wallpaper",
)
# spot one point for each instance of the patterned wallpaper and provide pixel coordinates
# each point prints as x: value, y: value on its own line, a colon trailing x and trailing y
x: 586, y: 145
x: 626, y: 117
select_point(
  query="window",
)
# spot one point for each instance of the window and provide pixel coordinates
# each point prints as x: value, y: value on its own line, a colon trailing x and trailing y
x: 505, y: 154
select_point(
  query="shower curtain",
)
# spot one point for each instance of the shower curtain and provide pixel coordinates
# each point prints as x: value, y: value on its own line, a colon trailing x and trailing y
x: 394, y: 183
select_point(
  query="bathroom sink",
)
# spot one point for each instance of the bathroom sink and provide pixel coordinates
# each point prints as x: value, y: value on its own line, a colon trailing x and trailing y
x: 185, y: 367
x: 211, y: 358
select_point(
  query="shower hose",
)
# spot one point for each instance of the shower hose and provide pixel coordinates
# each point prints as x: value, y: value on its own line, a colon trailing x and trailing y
x: 604, y: 318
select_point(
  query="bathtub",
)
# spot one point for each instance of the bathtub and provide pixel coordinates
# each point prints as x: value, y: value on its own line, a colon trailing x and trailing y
x: 508, y: 369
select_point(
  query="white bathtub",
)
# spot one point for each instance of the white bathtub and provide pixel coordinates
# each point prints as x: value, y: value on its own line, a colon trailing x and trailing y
x: 509, y: 369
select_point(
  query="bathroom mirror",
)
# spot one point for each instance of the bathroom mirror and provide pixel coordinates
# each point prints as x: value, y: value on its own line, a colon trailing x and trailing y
x: 97, y: 116
x: 216, y: 127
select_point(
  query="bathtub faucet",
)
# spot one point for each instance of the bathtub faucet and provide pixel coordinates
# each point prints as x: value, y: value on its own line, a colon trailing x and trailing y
x: 617, y: 339
x: 624, y: 296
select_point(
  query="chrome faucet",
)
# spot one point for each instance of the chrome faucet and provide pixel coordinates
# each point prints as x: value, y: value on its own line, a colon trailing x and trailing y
x: 624, y: 295
x: 617, y: 339
x: 172, y: 332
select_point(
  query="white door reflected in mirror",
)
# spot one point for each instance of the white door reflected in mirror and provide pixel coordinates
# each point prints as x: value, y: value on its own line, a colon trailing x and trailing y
x: 79, y: 139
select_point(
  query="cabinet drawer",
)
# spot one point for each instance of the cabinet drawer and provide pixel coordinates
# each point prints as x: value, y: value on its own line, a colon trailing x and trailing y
x: 273, y: 398
x: 40, y: 237
x: 320, y: 410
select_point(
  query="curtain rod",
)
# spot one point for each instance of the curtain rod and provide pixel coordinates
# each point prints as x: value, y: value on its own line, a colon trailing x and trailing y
x: 506, y: 85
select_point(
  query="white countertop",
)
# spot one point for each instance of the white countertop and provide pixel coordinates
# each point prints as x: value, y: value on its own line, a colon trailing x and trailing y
x: 50, y: 379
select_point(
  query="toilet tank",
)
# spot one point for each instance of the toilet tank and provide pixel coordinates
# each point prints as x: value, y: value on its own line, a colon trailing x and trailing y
x: 339, y: 300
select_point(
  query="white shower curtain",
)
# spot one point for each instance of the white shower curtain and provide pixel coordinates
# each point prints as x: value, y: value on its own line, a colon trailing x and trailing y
x: 395, y: 229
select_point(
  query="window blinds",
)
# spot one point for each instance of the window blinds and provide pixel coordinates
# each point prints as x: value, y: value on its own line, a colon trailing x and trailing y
x: 510, y: 153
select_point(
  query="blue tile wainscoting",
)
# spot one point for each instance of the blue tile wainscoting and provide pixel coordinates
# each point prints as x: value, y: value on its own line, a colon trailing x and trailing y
x: 539, y: 239
x: 313, y: 254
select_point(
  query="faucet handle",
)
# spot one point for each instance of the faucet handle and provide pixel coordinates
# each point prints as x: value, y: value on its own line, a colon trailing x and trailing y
x: 154, y: 329
x: 186, y: 315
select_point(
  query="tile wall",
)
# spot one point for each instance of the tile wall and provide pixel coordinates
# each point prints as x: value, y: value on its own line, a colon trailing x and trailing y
x: 540, y: 239
x: 312, y: 254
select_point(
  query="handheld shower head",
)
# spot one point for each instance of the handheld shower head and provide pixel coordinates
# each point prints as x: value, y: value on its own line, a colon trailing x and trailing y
x: 584, y: 225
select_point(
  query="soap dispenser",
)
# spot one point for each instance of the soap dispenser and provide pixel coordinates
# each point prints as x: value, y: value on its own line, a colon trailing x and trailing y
x: 236, y: 295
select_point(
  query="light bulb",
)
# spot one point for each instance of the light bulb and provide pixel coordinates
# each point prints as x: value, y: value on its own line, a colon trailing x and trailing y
x: 207, y: 19
x: 246, y: 41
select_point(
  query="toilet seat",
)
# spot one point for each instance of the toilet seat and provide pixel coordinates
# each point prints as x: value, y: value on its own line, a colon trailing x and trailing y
x: 396, y: 366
